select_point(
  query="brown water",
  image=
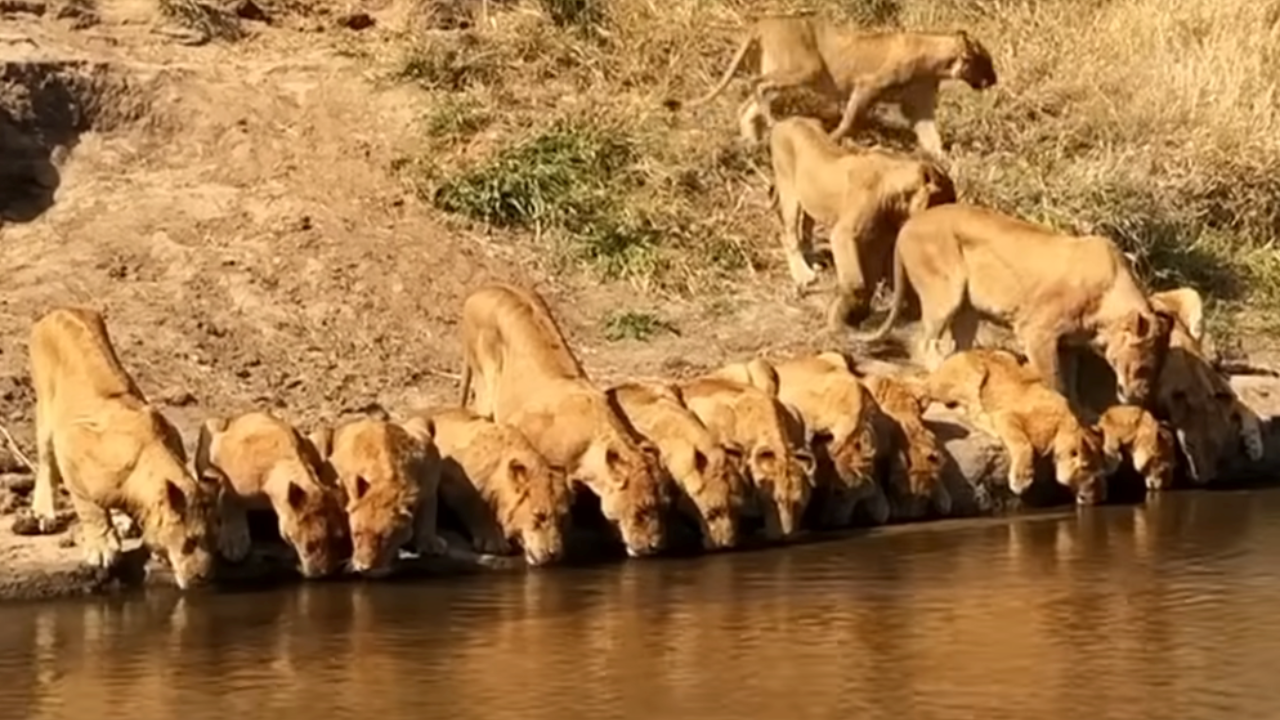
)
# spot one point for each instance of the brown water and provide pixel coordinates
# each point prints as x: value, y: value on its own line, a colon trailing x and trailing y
x: 1169, y: 611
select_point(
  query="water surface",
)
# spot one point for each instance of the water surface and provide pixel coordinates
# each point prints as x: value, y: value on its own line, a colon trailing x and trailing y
x: 1168, y: 611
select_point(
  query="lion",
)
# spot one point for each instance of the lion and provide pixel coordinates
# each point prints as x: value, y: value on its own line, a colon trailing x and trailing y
x: 914, y: 458
x: 854, y: 69
x: 777, y: 462
x: 862, y: 196
x: 97, y: 432
x: 968, y: 263
x: 527, y: 377
x: 501, y: 488
x: 1009, y: 401
x: 262, y: 462
x: 1208, y: 418
x: 837, y: 412
x: 389, y: 473
x: 712, y: 490
x: 1130, y: 430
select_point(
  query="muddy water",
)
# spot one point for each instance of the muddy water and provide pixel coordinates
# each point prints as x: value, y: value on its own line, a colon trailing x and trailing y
x: 1166, y: 611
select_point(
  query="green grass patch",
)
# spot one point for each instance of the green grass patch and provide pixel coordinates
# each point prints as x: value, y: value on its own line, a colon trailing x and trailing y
x: 633, y: 325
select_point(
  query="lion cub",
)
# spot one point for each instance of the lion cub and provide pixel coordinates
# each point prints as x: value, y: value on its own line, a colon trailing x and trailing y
x: 707, y: 472
x: 96, y: 431
x: 1150, y: 446
x: 262, y: 462
x: 837, y: 411
x: 777, y: 463
x: 1010, y: 401
x: 390, y: 474
x: 499, y: 485
x: 914, y: 454
x: 523, y: 373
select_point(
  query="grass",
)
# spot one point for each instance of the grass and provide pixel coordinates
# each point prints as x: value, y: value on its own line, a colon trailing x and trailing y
x: 1156, y: 122
x: 632, y: 325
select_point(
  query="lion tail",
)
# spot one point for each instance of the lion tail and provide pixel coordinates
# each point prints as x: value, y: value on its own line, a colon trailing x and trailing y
x: 725, y: 79
x: 895, y: 306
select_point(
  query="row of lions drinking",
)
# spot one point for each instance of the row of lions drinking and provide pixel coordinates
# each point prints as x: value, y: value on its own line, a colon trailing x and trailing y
x: 808, y: 442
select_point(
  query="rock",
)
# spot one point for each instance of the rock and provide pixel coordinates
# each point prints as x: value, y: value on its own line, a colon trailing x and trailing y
x: 1261, y: 394
x: 249, y: 10
x: 976, y: 469
x: 355, y: 20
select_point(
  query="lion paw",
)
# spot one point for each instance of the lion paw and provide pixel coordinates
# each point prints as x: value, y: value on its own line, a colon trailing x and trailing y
x: 495, y: 545
x: 234, y: 543
x: 432, y: 545
x: 1019, y: 482
x: 101, y: 552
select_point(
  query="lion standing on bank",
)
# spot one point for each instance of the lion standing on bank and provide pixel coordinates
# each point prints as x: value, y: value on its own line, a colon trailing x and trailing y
x: 968, y: 263
x: 863, y: 197
x: 854, y: 69
x: 96, y: 432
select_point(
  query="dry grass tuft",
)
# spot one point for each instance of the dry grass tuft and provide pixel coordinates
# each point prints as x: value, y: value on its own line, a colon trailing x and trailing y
x: 1153, y: 121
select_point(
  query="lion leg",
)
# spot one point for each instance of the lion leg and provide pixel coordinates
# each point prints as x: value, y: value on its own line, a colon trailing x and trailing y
x: 487, y: 535
x: 852, y: 302
x: 43, y: 499
x: 97, y: 533
x: 1041, y: 350
x: 919, y: 105
x: 859, y: 100
x: 1021, y: 451
x: 751, y: 122
x: 233, y: 528
x: 794, y: 239
x: 425, y: 539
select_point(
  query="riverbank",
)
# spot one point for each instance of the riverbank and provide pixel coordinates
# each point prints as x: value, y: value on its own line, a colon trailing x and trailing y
x: 34, y: 567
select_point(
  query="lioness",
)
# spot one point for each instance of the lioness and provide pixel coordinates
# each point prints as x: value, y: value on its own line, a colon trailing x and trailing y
x: 96, y: 431
x: 1009, y: 401
x: 262, y: 462
x: 855, y: 69
x: 915, y: 455
x: 1128, y: 429
x: 862, y: 196
x: 500, y: 486
x: 529, y: 378
x: 390, y: 475
x: 706, y: 471
x: 777, y: 462
x: 1207, y: 416
x: 837, y: 411
x: 967, y: 263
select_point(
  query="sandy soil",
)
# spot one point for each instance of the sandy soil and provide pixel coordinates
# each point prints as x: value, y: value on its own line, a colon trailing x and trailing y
x: 229, y: 207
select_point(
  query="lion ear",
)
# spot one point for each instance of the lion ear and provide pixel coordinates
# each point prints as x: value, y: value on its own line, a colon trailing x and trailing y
x: 211, y: 431
x: 1184, y: 304
x: 322, y: 440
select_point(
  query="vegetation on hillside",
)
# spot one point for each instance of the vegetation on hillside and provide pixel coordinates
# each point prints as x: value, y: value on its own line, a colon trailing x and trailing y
x: 1156, y: 122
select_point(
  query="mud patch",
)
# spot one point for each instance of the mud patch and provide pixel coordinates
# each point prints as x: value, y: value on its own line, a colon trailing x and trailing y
x: 44, y: 108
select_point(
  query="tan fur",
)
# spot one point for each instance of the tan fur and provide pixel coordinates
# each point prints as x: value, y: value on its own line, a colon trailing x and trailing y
x: 527, y: 377
x: 837, y: 411
x: 390, y: 475
x: 707, y: 472
x: 500, y: 486
x: 855, y: 69
x: 914, y: 454
x: 1150, y: 446
x: 96, y: 432
x: 777, y: 460
x: 262, y: 462
x: 967, y: 263
x: 861, y: 196
x: 1208, y: 418
x: 1008, y: 400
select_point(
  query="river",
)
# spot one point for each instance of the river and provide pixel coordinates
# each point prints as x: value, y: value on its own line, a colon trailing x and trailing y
x: 1165, y: 611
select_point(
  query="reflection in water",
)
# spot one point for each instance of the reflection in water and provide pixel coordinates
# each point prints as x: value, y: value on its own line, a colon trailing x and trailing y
x: 1160, y: 611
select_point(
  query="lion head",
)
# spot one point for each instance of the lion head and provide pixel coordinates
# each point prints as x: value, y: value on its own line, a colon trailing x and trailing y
x: 974, y: 64
x: 380, y: 467
x: 924, y: 469
x: 636, y: 495
x: 1136, y: 347
x: 178, y: 515
x: 533, y: 506
x: 1079, y: 463
x: 264, y: 451
x: 786, y: 477
x: 1158, y: 463
x: 853, y: 454
x: 712, y: 480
